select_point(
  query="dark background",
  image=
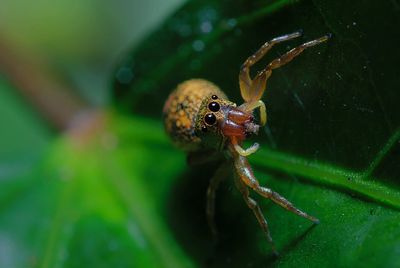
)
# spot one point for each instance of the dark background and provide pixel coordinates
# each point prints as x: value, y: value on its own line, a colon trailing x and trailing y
x: 89, y: 178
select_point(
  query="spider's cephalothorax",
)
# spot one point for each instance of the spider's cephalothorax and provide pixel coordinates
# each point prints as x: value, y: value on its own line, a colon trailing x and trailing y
x: 198, y: 117
x: 218, y: 119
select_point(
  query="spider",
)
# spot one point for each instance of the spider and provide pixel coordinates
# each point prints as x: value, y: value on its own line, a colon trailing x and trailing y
x: 201, y: 120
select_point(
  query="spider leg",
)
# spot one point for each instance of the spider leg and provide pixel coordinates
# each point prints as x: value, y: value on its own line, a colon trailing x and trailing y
x: 252, y: 204
x: 250, y: 106
x: 246, y: 174
x: 245, y: 81
x: 288, y: 56
x: 283, y: 202
x: 219, y: 175
x: 252, y: 90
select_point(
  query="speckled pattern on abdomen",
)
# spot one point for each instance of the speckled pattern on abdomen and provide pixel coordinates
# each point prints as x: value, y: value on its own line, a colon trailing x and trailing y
x: 181, y: 110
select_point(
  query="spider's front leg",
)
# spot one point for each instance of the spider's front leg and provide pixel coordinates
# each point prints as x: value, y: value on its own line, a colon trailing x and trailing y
x: 253, y: 89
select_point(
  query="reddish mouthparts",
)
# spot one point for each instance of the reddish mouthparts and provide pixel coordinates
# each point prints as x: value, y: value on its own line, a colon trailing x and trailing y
x: 238, y: 123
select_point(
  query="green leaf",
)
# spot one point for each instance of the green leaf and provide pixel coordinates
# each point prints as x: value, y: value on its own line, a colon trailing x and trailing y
x: 117, y: 194
x: 88, y: 204
x: 73, y: 202
x: 332, y: 141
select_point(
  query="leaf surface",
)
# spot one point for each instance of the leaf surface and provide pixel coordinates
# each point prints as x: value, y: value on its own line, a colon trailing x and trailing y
x: 124, y: 197
x: 332, y: 141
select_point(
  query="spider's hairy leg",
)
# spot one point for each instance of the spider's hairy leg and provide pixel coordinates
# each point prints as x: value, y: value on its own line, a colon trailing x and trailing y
x: 283, y: 202
x: 250, y: 106
x: 246, y: 174
x: 288, y: 56
x: 252, y: 90
x: 252, y: 204
x: 221, y: 173
x: 245, y: 82
x: 259, y: 83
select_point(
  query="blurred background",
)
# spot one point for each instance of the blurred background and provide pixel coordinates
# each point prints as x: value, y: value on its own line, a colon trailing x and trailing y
x: 82, y: 85
x: 80, y: 42
x: 56, y: 61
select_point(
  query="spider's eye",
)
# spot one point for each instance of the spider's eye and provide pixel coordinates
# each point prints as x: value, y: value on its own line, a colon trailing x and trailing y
x: 210, y: 119
x: 204, y: 128
x: 214, y: 97
x: 213, y: 106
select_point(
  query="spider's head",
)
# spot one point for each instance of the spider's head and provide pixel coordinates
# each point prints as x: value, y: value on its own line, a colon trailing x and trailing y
x: 219, y: 118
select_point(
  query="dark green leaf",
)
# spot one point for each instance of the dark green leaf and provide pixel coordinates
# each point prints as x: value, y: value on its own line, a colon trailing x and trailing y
x: 123, y: 197
x: 332, y: 141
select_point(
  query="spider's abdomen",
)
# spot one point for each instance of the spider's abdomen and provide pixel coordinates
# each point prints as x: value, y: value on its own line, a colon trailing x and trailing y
x: 182, y: 109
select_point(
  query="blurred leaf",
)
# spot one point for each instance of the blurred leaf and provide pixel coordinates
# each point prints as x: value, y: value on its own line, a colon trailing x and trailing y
x: 89, y: 205
x: 103, y: 204
x: 116, y: 194
x: 332, y: 142
x: 23, y: 141
x: 18, y: 119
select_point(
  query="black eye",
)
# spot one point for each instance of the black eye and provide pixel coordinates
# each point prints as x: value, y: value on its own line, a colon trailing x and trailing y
x: 210, y: 119
x: 214, y: 97
x: 213, y: 106
x: 204, y: 129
